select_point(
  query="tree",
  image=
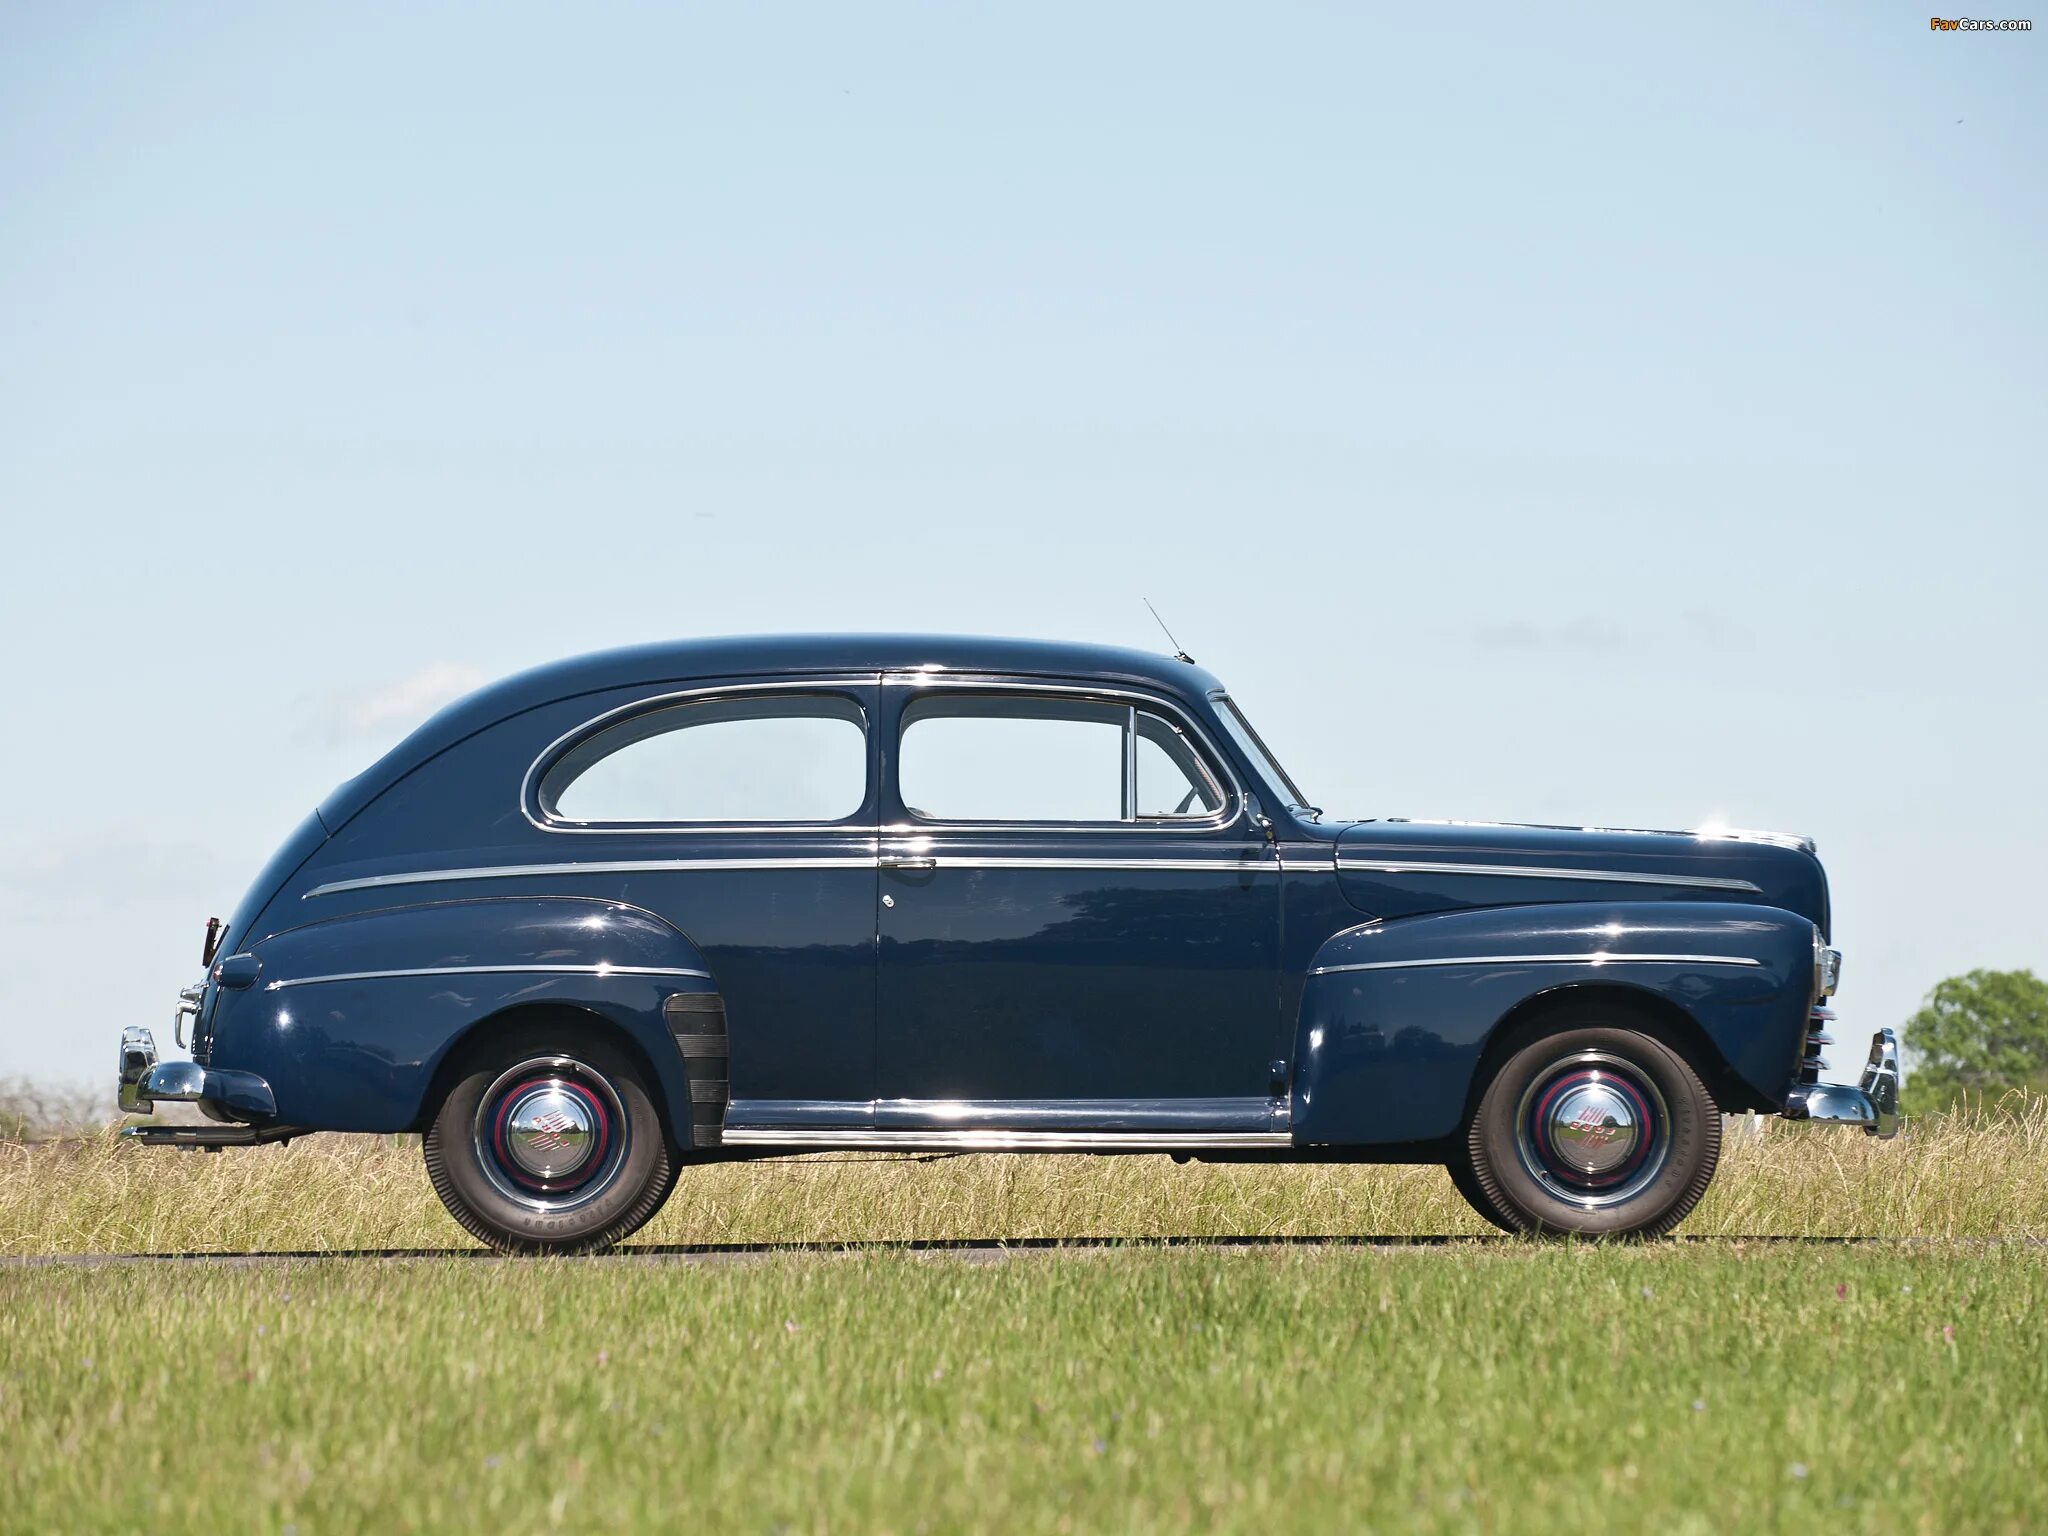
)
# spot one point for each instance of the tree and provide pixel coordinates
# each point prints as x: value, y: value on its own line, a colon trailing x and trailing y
x: 1980, y: 1034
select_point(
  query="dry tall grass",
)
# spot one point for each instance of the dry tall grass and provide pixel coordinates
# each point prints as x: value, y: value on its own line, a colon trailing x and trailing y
x: 1981, y: 1176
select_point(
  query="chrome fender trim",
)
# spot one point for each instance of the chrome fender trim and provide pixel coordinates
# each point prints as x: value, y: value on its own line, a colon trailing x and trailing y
x: 1594, y: 957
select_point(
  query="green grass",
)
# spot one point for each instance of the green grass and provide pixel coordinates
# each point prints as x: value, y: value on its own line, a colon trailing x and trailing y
x: 1949, y: 1177
x: 1756, y: 1377
x: 1483, y: 1386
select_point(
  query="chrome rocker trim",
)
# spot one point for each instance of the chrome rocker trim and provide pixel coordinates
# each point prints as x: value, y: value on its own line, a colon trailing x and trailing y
x: 1872, y: 1104
x: 225, y: 1096
x: 1004, y: 1141
x: 1256, y: 862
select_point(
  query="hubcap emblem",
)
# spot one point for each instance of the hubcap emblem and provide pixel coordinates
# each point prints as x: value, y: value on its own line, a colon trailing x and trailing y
x: 551, y: 1134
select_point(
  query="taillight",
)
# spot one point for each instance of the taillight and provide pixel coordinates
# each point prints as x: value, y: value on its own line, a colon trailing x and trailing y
x: 212, y: 945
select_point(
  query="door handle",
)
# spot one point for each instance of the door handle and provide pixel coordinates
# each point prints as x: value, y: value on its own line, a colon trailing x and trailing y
x: 906, y: 861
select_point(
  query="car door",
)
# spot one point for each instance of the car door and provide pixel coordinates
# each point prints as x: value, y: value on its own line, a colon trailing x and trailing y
x: 1078, y: 916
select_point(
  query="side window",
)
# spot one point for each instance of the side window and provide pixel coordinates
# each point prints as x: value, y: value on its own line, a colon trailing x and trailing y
x: 1172, y: 780
x: 992, y: 757
x: 768, y: 758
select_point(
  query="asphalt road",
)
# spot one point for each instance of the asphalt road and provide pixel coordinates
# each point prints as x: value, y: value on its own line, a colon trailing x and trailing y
x: 963, y: 1251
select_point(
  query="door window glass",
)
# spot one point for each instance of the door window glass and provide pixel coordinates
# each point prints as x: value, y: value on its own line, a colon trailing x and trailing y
x: 772, y: 758
x: 1172, y: 779
x: 983, y: 758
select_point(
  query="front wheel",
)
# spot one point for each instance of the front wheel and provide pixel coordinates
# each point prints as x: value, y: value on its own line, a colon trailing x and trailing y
x: 549, y: 1143
x: 1597, y: 1130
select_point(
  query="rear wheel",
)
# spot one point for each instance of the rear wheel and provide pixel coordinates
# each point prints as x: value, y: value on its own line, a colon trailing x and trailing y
x: 1598, y: 1129
x: 550, y: 1142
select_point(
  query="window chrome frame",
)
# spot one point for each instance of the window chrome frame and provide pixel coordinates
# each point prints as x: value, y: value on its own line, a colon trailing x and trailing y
x: 1218, y: 763
x: 537, y: 815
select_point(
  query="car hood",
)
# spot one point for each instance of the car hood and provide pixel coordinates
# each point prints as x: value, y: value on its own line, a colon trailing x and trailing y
x: 1400, y: 868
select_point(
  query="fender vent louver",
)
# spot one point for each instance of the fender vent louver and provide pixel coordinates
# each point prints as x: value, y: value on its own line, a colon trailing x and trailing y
x: 697, y: 1022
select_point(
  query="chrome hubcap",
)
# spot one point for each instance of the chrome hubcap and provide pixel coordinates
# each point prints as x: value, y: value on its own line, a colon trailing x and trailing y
x: 1593, y: 1130
x: 550, y: 1133
x: 550, y: 1130
x: 1593, y: 1126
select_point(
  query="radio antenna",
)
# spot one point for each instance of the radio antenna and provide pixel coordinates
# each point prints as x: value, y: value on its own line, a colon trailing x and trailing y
x: 1178, y: 653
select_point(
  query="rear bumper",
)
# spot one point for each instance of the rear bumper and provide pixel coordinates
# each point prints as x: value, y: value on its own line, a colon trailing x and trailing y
x: 1873, y: 1103
x: 232, y: 1097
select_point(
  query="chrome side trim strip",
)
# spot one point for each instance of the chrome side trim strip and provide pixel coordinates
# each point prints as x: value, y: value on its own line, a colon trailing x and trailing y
x: 489, y: 970
x: 1002, y: 1141
x: 1705, y: 834
x: 1590, y: 957
x: 823, y: 861
x: 1546, y: 872
x: 575, y: 867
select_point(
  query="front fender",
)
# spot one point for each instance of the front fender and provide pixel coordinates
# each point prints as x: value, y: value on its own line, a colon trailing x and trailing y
x: 348, y: 1019
x: 1396, y: 1016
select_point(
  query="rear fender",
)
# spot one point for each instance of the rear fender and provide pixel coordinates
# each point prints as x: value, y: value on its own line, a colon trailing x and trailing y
x: 348, y: 1019
x: 1396, y: 1017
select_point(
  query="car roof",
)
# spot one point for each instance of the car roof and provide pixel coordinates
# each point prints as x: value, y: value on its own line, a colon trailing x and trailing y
x: 741, y: 656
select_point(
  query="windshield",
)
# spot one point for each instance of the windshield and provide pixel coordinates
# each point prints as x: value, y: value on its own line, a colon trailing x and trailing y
x: 1251, y: 746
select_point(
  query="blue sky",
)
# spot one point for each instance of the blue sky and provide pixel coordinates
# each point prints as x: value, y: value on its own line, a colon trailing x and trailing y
x: 1603, y: 415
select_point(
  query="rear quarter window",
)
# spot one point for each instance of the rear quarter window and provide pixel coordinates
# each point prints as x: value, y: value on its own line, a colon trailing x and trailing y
x: 778, y: 758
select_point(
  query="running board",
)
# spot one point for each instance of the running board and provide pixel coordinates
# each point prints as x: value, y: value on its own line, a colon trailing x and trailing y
x: 939, y: 1140
x: 210, y: 1138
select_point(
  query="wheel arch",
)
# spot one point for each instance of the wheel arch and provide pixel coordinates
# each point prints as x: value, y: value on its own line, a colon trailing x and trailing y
x: 1661, y: 1017
x: 354, y: 1018
x: 477, y: 1037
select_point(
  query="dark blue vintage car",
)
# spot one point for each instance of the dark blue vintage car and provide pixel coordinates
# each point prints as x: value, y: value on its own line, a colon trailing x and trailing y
x: 754, y: 897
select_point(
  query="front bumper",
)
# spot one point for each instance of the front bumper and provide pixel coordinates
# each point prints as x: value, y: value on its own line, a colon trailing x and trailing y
x: 1873, y: 1103
x: 231, y: 1097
